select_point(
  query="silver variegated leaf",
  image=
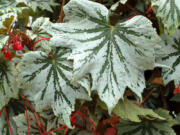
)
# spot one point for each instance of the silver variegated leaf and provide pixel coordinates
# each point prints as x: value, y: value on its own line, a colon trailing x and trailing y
x: 8, y: 84
x: 115, y: 56
x: 47, y: 80
x: 38, y: 31
x: 42, y: 4
x: 149, y: 127
x: 169, y: 55
x: 169, y: 12
x: 47, y: 118
x: 39, y: 27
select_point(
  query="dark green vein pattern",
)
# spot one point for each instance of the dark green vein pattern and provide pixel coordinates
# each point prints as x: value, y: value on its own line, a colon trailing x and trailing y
x: 148, y: 127
x: 171, y: 58
x: 47, y: 80
x: 116, y: 56
x: 169, y: 12
x: 8, y: 86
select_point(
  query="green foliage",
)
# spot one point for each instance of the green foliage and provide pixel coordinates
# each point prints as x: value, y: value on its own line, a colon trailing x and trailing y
x: 89, y: 72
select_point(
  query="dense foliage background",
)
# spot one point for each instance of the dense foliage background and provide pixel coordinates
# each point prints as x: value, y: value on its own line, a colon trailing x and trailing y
x: 89, y: 67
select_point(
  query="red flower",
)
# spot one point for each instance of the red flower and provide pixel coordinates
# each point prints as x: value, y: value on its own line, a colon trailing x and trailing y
x: 114, y: 120
x: 149, y: 10
x: 110, y: 131
x: 17, y: 46
x: 177, y: 90
x: 3, y: 50
x: 7, y: 55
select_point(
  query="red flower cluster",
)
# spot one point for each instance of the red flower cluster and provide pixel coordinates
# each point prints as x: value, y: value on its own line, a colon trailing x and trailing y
x: 17, y: 42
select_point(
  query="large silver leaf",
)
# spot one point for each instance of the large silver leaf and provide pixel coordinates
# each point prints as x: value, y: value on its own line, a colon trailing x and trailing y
x: 169, y: 12
x: 169, y: 55
x: 8, y: 85
x: 115, y: 56
x: 47, y: 80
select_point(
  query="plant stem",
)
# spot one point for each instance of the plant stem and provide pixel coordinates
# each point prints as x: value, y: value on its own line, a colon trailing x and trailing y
x: 61, y: 16
x: 148, y: 95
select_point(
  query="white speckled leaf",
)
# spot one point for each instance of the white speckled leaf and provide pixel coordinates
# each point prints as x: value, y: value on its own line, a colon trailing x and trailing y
x: 38, y: 31
x: 115, y: 56
x: 169, y: 12
x: 39, y: 27
x: 42, y: 4
x: 47, y: 81
x: 169, y: 55
x: 8, y: 85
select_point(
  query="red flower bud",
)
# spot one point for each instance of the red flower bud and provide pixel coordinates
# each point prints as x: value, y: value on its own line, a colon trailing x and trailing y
x: 177, y: 90
x: 16, y: 46
x: 7, y: 55
x: 149, y: 10
x: 3, y: 50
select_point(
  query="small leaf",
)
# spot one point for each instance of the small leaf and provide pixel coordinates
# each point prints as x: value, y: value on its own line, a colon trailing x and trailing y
x: 115, y: 56
x: 169, y: 12
x: 129, y: 111
x: 169, y: 55
x: 39, y: 31
x: 149, y: 127
x: 46, y: 77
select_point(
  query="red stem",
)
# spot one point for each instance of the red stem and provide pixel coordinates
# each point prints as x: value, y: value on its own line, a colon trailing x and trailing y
x: 27, y: 118
x: 62, y: 127
x: 8, y: 121
x: 147, y: 96
x: 132, y: 9
x: 39, y: 128
x: 46, y: 38
x: 0, y: 112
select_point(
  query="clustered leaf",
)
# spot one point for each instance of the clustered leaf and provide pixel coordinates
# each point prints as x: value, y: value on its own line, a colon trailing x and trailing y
x: 149, y: 127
